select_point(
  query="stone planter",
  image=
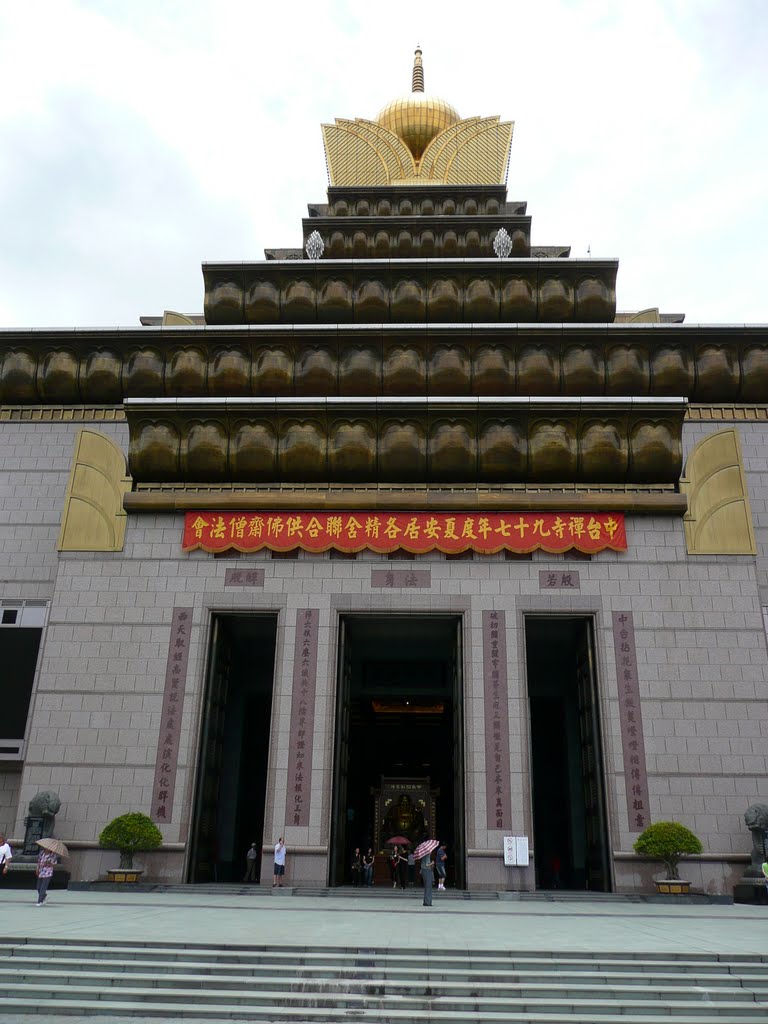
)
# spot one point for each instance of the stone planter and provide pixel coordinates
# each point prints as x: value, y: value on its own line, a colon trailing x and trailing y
x: 672, y: 886
x: 124, y: 875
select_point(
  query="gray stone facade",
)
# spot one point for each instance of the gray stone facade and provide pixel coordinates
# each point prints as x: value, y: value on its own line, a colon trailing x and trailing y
x: 93, y: 725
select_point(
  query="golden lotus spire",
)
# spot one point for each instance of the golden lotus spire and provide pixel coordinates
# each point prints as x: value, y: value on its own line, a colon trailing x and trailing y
x: 417, y: 77
x: 417, y: 139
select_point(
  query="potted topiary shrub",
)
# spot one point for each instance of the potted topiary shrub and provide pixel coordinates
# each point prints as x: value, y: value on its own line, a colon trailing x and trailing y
x: 129, y: 833
x: 668, y: 841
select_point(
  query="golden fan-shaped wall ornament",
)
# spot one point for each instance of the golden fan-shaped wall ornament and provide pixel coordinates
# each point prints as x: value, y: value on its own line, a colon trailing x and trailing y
x: 418, y: 139
x: 719, y: 519
x: 93, y: 518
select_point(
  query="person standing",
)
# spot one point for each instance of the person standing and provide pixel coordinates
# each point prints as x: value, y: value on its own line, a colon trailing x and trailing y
x: 368, y: 868
x: 427, y: 878
x: 6, y: 855
x: 279, y: 863
x: 356, y: 868
x: 46, y: 862
x: 440, y: 858
x: 402, y: 868
x: 394, y: 860
x: 411, y: 867
x: 250, y: 864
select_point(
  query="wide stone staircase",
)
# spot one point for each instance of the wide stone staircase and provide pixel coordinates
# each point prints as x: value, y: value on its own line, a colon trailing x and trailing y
x: 56, y: 978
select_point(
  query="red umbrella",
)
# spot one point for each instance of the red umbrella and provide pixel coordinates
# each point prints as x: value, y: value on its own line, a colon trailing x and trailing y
x: 398, y: 841
x: 425, y: 848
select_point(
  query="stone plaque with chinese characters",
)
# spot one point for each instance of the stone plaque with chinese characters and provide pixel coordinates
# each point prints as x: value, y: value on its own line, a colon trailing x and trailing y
x: 559, y: 580
x: 630, y: 715
x: 244, y: 578
x: 172, y: 709
x: 404, y: 579
x: 302, y: 717
x: 496, y: 720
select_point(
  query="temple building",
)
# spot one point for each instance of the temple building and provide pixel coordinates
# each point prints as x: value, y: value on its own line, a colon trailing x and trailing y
x: 411, y: 533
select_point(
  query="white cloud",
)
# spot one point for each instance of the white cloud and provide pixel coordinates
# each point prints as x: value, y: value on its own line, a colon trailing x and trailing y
x: 137, y: 140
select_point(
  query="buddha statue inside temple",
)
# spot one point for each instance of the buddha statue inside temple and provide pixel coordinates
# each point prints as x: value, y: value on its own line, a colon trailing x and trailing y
x: 404, y: 819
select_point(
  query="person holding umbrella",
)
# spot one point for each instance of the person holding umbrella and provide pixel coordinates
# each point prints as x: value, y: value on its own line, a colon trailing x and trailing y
x: 394, y: 858
x: 423, y: 853
x: 50, y: 851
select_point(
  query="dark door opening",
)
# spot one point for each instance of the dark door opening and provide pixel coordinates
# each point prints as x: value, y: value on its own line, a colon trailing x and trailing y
x: 399, y: 717
x: 570, y: 836
x: 234, y: 748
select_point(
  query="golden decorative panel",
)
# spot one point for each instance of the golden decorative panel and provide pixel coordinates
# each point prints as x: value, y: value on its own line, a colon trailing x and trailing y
x: 173, y: 319
x: 471, y: 152
x: 61, y: 413
x: 93, y: 518
x: 728, y: 412
x: 719, y: 519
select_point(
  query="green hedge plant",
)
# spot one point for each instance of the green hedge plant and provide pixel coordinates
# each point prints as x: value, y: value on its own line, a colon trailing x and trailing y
x: 130, y: 833
x: 667, y: 841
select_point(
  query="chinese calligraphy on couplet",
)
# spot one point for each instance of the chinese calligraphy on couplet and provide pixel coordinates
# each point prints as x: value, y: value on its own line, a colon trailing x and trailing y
x: 631, y: 722
x: 496, y: 721
x: 170, y: 722
x: 302, y: 717
x: 384, y: 532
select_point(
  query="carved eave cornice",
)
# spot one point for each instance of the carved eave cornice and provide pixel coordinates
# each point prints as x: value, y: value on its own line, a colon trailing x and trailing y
x: 427, y: 236
x: 384, y: 201
x: 705, y: 363
x: 411, y: 291
x: 642, y: 499
x: 442, y: 200
x: 385, y: 440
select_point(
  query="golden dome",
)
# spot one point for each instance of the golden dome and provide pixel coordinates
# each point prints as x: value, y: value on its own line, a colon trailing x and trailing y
x: 417, y: 118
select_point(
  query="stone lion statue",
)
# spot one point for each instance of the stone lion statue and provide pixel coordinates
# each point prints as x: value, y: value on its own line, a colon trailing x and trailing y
x: 45, y: 805
x: 756, y: 820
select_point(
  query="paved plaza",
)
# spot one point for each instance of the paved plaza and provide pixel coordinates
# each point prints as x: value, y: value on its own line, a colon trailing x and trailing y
x: 391, y: 921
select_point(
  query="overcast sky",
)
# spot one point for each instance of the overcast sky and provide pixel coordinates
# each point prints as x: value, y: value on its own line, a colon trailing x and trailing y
x: 139, y: 138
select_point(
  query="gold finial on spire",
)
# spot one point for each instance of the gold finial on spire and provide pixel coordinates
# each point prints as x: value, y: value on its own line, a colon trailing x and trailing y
x: 417, y: 78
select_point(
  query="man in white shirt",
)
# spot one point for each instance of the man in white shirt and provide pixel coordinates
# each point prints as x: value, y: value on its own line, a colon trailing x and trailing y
x: 6, y: 856
x: 279, y: 863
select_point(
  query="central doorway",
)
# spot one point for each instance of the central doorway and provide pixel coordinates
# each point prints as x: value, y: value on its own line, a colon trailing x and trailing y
x: 234, y: 748
x: 570, y: 835
x: 399, y: 716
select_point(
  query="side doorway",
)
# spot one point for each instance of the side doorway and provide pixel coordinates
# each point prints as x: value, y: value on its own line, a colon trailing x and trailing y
x: 570, y: 832
x: 230, y: 793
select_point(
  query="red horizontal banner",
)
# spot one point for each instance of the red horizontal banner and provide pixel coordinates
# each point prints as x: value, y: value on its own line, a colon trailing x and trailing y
x: 385, y: 532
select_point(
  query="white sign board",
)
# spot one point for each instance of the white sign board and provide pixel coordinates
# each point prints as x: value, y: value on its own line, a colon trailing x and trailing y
x: 516, y: 851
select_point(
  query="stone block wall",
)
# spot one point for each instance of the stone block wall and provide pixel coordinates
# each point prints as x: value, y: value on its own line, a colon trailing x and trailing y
x: 9, y: 797
x: 753, y: 436
x: 92, y: 736
x: 35, y: 460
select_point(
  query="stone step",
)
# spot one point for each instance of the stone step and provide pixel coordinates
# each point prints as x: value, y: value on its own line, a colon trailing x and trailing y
x: 345, y: 1003
x: 160, y: 980
x: 340, y: 956
x: 389, y: 891
x: 755, y: 977
x: 107, y: 1010
x: 737, y: 991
